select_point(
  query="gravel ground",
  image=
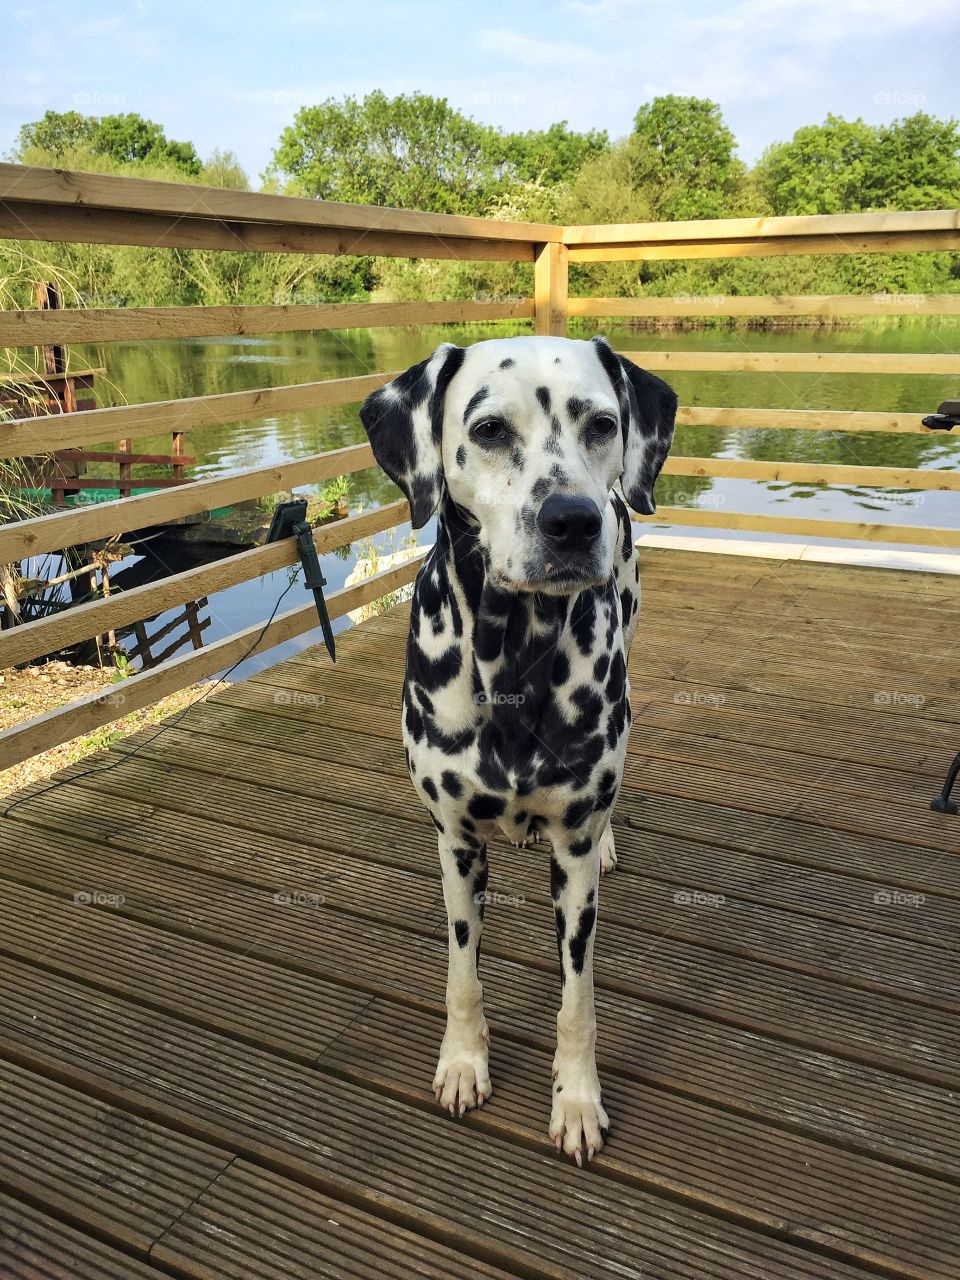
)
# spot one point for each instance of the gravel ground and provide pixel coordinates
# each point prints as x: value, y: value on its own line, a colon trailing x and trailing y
x: 31, y: 691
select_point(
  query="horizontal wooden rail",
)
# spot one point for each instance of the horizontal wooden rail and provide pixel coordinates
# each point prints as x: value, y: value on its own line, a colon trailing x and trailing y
x: 171, y: 231
x: 88, y: 192
x: 27, y: 437
x: 25, y: 378
x: 785, y: 247
x: 106, y: 519
x: 794, y: 362
x: 123, y: 608
x: 802, y: 419
x: 813, y: 528
x: 767, y: 228
x: 96, y: 709
x: 815, y: 473
x: 136, y: 324
x: 824, y: 304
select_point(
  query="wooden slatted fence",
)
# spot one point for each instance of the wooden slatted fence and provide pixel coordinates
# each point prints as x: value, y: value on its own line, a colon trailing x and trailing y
x: 90, y: 208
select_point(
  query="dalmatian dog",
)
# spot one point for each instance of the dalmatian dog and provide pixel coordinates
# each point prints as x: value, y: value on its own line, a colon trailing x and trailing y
x: 515, y: 704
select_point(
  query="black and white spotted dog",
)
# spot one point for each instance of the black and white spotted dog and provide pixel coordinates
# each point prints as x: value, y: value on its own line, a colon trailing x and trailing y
x: 515, y: 704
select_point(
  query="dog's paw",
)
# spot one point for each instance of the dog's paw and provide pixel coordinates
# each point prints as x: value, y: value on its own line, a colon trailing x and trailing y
x: 608, y: 852
x: 462, y: 1079
x: 578, y: 1122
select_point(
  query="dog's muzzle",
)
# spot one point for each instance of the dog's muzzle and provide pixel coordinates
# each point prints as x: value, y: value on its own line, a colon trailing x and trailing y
x: 570, y: 529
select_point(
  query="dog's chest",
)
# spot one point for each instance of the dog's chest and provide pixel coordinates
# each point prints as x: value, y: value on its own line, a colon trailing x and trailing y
x: 523, y: 715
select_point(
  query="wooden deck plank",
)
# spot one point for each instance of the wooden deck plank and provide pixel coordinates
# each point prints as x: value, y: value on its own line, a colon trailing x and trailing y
x: 745, y: 1072
x: 293, y: 692
x: 119, y: 1176
x: 252, y: 1224
x: 648, y: 678
x: 448, y: 1182
x: 213, y: 833
x: 244, y: 751
x: 881, y: 1028
x: 34, y: 1246
x: 817, y: 1198
x: 374, y: 880
x: 808, y: 1192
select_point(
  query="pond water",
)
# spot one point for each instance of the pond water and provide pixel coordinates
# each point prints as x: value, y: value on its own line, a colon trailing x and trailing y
x: 138, y: 372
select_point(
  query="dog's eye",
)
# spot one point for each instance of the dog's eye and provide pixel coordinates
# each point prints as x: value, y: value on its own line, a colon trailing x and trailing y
x: 602, y: 426
x: 489, y: 429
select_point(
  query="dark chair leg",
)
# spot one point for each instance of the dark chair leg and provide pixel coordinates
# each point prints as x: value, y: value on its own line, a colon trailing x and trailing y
x: 943, y: 803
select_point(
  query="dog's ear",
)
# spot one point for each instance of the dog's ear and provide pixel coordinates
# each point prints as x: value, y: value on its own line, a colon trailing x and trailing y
x: 648, y: 411
x: 404, y: 421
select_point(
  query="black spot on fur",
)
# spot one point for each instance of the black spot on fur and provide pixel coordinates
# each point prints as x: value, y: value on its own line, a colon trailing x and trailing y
x: 465, y: 859
x: 583, y: 621
x: 558, y: 879
x: 580, y: 848
x: 561, y: 669
x: 461, y: 456
x: 437, y: 823
x: 507, y: 364
x: 618, y: 679
x: 600, y: 668
x: 580, y: 940
x: 480, y: 889
x: 451, y: 783
x: 576, y: 407
x: 484, y: 806
x: 462, y: 930
x: 414, y: 722
x: 577, y: 813
x: 430, y: 788
x: 543, y: 395
x: 475, y: 401
x: 606, y: 790
x: 433, y: 673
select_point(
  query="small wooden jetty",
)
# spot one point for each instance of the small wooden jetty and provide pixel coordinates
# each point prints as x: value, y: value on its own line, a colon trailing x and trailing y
x: 222, y: 971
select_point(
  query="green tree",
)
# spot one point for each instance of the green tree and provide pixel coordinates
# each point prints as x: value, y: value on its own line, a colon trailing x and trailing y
x: 916, y: 165
x: 685, y: 156
x: 552, y: 155
x: 127, y: 139
x: 824, y: 168
x: 56, y: 133
x: 223, y: 169
x: 411, y: 152
x: 130, y: 139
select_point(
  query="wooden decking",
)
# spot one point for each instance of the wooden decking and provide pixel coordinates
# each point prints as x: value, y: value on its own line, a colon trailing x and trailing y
x: 220, y: 1009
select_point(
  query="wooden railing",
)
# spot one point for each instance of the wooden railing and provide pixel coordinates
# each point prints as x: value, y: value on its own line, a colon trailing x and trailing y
x: 54, y: 205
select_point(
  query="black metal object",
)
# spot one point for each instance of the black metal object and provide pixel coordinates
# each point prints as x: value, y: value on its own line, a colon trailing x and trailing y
x: 945, y: 419
x: 289, y: 521
x: 943, y: 803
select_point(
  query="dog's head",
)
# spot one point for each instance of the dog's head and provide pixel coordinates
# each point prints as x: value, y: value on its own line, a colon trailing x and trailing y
x: 528, y: 436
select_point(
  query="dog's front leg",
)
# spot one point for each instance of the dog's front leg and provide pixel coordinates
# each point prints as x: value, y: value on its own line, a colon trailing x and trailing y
x: 462, y: 1079
x: 578, y: 1122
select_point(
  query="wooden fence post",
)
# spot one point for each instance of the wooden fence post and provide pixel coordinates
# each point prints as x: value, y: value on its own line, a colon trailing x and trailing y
x: 550, y: 289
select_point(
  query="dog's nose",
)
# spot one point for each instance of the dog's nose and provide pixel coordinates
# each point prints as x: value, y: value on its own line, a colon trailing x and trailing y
x: 569, y: 521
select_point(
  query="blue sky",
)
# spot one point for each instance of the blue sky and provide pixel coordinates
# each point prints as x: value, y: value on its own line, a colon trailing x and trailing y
x: 232, y: 75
